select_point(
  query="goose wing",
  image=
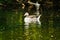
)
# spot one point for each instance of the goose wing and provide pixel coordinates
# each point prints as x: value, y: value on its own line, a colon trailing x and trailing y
x: 32, y: 16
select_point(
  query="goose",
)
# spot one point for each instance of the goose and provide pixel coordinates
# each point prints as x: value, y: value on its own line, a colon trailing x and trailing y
x: 31, y: 19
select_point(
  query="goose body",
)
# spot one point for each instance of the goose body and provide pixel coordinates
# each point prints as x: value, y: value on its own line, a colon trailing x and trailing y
x: 31, y: 19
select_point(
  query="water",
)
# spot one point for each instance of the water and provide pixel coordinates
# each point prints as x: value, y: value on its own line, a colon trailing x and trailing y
x: 14, y: 29
x: 37, y: 5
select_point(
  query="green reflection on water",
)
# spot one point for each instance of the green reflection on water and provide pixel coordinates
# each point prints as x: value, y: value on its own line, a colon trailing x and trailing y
x: 15, y: 30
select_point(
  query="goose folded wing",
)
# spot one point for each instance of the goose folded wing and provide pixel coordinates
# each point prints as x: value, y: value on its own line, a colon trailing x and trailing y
x: 32, y: 16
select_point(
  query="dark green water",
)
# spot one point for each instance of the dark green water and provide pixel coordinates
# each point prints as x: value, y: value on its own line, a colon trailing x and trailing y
x: 12, y: 27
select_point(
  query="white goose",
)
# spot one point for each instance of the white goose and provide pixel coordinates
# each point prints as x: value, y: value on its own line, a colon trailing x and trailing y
x: 31, y: 19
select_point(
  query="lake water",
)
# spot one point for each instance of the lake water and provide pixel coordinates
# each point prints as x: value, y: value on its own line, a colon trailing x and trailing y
x: 12, y: 27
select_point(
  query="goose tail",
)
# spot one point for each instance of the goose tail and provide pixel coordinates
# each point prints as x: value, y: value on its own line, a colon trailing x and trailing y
x: 39, y: 16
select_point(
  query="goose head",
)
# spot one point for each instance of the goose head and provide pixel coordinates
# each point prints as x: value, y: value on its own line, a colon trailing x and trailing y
x: 26, y: 14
